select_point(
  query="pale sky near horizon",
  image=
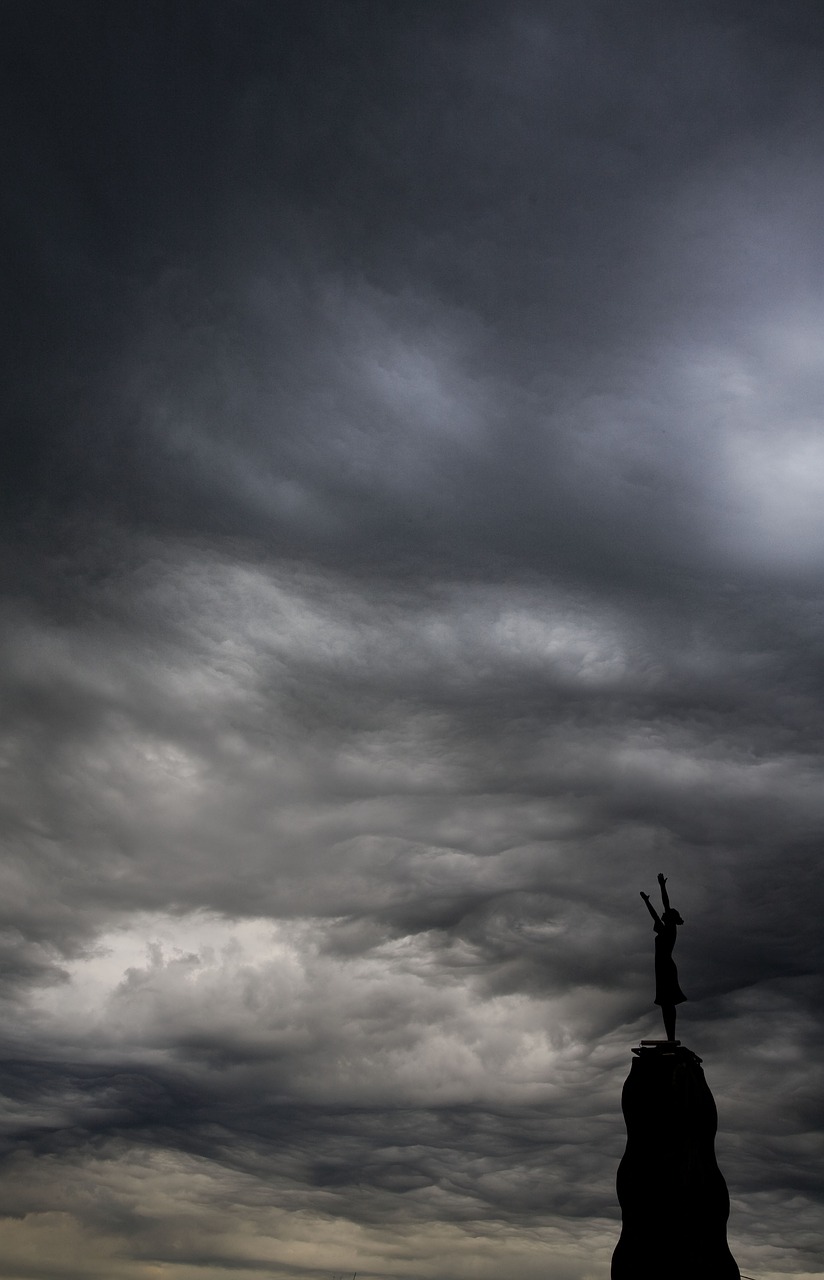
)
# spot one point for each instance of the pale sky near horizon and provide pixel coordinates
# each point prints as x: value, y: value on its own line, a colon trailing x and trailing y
x: 413, y: 542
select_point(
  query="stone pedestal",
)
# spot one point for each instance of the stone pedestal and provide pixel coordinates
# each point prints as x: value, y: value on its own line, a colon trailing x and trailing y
x: 674, y: 1201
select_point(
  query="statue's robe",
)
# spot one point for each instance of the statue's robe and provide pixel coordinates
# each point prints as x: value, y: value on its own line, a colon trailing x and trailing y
x: 667, y: 990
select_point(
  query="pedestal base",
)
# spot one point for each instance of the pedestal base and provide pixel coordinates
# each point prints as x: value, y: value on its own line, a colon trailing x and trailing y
x: 674, y: 1200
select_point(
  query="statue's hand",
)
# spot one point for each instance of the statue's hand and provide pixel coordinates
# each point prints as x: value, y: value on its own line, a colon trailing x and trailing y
x: 662, y: 879
x: 645, y: 896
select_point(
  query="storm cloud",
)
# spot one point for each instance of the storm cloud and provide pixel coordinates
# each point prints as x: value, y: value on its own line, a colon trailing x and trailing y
x: 413, y: 542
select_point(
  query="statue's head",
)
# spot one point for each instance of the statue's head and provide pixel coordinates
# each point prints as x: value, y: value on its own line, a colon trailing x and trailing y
x: 671, y: 916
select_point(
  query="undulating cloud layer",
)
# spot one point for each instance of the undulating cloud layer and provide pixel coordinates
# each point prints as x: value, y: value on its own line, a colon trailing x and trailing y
x: 413, y: 542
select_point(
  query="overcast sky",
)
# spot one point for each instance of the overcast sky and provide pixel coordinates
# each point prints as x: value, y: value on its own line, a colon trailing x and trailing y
x: 414, y: 542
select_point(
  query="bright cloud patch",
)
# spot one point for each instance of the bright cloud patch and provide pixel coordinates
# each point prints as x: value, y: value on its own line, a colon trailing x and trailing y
x: 388, y: 1024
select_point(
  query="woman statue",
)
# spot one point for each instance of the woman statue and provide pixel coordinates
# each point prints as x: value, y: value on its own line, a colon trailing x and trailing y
x: 667, y: 991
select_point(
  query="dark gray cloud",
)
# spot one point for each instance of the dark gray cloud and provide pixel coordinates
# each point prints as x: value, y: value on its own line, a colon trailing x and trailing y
x: 413, y: 542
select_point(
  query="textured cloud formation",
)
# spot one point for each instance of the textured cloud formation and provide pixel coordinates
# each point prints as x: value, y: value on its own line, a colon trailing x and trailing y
x: 413, y: 543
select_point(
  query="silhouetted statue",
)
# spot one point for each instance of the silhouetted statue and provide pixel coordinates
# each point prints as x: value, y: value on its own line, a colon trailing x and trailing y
x: 674, y: 1200
x: 667, y: 991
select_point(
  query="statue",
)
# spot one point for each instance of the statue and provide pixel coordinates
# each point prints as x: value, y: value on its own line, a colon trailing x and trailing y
x: 668, y: 994
x: 674, y: 1200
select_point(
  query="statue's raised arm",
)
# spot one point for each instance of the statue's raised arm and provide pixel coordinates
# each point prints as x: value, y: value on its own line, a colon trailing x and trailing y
x: 650, y: 907
x: 662, y: 881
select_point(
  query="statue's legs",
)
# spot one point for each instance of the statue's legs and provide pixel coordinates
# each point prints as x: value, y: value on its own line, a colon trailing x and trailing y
x: 668, y: 1010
